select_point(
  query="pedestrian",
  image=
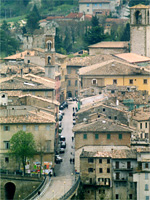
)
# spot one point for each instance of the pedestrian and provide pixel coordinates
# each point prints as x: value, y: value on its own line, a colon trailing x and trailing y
x: 73, y: 109
x: 73, y: 160
x: 76, y: 110
x: 70, y: 160
x: 72, y: 138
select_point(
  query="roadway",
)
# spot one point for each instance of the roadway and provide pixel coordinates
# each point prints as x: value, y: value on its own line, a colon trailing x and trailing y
x: 65, y: 174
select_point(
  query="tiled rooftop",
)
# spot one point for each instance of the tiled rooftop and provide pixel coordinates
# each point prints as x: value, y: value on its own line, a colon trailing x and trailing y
x: 114, y: 154
x: 26, y: 119
x: 110, y: 45
x: 112, y: 67
x: 132, y: 57
x: 40, y: 98
x: 140, y: 6
x: 100, y: 126
x: 20, y: 55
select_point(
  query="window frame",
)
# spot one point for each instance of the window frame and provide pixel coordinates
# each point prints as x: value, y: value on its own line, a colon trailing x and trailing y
x: 145, y: 81
x: 85, y: 136
x: 131, y: 81
x: 108, y: 136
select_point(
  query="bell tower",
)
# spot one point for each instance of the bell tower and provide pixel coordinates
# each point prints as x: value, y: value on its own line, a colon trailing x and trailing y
x: 140, y: 29
x: 50, y: 32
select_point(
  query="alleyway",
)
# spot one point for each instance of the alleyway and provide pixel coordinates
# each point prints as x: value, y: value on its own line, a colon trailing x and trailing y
x: 65, y: 177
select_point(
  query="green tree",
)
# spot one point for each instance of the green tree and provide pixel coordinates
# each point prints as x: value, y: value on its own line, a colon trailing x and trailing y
x: 33, y: 20
x: 136, y: 2
x: 8, y: 44
x: 5, y: 27
x: 67, y: 45
x: 126, y: 33
x: 95, y: 21
x: 95, y: 33
x: 22, y: 146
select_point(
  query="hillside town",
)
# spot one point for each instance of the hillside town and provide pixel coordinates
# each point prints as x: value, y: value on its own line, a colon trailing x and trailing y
x: 88, y: 112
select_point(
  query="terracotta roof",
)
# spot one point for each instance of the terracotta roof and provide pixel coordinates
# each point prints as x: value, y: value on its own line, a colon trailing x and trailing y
x: 54, y: 17
x: 110, y: 45
x: 43, y: 20
x: 100, y: 126
x: 144, y: 150
x: 18, y: 83
x: 94, y: 1
x: 114, y: 154
x: 141, y: 115
x: 112, y: 67
x: 132, y: 57
x: 140, y: 6
x: 26, y: 119
x: 40, y: 98
x: 88, y: 60
x: 43, y: 80
x: 116, y: 20
x: 74, y: 15
x: 20, y: 55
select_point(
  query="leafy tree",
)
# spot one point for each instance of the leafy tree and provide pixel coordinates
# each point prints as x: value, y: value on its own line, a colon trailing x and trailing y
x: 136, y: 2
x: 5, y: 27
x: 67, y: 41
x: 95, y: 21
x: 126, y: 33
x: 33, y: 20
x: 22, y: 145
x: 8, y: 44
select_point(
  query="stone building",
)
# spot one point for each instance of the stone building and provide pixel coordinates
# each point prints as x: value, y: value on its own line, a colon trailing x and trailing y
x: 142, y: 174
x: 28, y: 86
x: 108, y: 174
x: 140, y: 29
x: 41, y: 124
x: 100, y: 109
x: 109, y: 48
x: 114, y: 72
x: 141, y: 120
x: 98, y: 133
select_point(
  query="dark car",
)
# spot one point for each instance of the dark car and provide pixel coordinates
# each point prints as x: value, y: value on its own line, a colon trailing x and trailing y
x: 62, y: 138
x: 63, y: 144
x: 58, y: 159
x: 61, y: 150
x: 19, y: 172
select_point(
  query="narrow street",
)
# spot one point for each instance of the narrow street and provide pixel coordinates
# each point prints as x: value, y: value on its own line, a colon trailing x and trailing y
x: 65, y: 168
x: 65, y: 175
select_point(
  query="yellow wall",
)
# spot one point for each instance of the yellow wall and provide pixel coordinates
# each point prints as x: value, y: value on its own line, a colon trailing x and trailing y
x: 124, y: 81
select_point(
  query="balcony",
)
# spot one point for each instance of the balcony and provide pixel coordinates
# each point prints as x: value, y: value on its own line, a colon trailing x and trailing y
x: 120, y: 179
x: 122, y: 169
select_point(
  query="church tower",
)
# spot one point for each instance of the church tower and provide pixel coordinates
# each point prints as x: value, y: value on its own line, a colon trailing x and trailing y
x: 140, y: 30
x: 50, y: 32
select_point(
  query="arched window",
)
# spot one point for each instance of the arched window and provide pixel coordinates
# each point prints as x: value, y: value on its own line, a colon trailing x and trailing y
x: 49, y: 44
x: 49, y: 60
x: 138, y: 17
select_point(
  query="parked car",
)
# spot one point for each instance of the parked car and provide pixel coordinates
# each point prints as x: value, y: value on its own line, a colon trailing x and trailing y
x: 58, y: 159
x: 61, y: 112
x: 63, y: 144
x: 60, y: 123
x: 60, y: 117
x: 61, y: 150
x: 74, y: 122
x: 62, y: 138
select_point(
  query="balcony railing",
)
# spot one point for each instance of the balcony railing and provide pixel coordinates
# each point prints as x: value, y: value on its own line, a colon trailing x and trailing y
x: 122, y: 179
x: 123, y: 169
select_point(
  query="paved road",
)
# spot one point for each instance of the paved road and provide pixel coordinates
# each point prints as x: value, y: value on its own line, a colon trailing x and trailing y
x: 64, y: 179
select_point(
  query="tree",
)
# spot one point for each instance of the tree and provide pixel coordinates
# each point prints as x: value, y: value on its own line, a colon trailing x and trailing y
x: 5, y: 27
x: 22, y: 146
x: 136, y: 2
x: 126, y: 33
x: 33, y: 20
x: 95, y: 33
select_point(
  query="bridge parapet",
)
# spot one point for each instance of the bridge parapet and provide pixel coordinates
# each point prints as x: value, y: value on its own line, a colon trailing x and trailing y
x: 72, y: 190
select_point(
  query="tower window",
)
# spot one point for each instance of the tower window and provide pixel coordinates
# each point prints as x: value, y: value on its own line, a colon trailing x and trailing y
x: 49, y: 60
x: 138, y: 17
